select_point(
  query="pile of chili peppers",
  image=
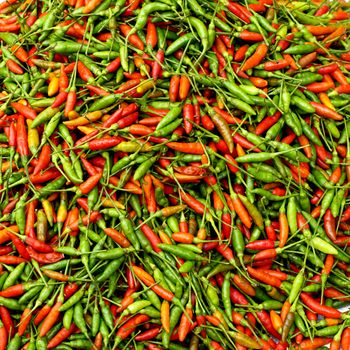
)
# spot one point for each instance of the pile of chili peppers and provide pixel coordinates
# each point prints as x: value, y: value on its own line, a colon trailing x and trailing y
x: 174, y: 174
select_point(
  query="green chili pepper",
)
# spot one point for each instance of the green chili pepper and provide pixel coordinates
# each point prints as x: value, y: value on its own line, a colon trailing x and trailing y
x: 272, y: 133
x: 110, y: 269
x: 68, y: 318
x: 301, y: 49
x: 323, y: 246
x: 237, y: 92
x: 73, y: 300
x: 307, y: 78
x: 28, y: 296
x: 13, y: 276
x: 78, y: 317
x: 115, y: 253
x: 104, y: 102
x: 242, y: 105
x: 226, y: 296
x: 180, y: 252
x: 128, y: 229
x: 46, y: 115
x: 15, y: 343
x: 11, y: 304
x: 293, y: 122
x: 106, y: 315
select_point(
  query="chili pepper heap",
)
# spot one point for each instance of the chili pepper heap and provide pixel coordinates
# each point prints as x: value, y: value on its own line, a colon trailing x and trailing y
x: 174, y: 174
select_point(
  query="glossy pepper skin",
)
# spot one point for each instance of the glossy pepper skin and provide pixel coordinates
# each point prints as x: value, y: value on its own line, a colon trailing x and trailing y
x: 175, y: 174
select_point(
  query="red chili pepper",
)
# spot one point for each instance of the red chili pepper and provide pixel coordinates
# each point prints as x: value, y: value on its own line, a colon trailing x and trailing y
x: 151, y: 236
x: 60, y: 99
x: 25, y: 110
x: 265, y: 320
x: 7, y: 321
x: 5, y: 250
x: 43, y: 160
x: 184, y: 87
x: 323, y: 310
x: 259, y: 82
x: 61, y: 336
x: 151, y: 36
x: 24, y: 321
x: 240, y: 53
x: 313, y: 344
x: 13, y: 291
x: 174, y: 88
x: 346, y: 215
x: 3, y: 337
x: 345, y: 339
x: 328, y: 69
x: 188, y: 115
x: 70, y: 102
x: 90, y: 183
x: 240, y: 11
x: 263, y: 277
x: 149, y: 334
x: 185, y: 324
x: 113, y: 65
x: 10, y: 206
x: 241, y: 211
x: 128, y: 120
x: 21, y: 248
x: 256, y: 58
x: 118, y: 237
x: 127, y: 328
x: 318, y: 87
x: 326, y: 112
x: 339, y: 77
x: 50, y: 319
x: 271, y: 66
x: 226, y: 252
x: 267, y: 122
x: 48, y: 175
x: 14, y: 67
x: 260, y: 245
x: 243, y: 142
x: 97, y: 90
x: 22, y: 137
x: 133, y: 38
x: 227, y: 116
x: 246, y: 35
x: 70, y: 289
x: 46, y: 258
x: 40, y: 316
x: 194, y: 204
x: 157, y: 66
x: 330, y: 225
x: 11, y: 260
x: 148, y: 280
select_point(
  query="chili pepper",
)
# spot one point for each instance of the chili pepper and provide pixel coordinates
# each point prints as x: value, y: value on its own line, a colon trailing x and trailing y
x: 345, y: 337
x: 154, y: 159
x: 321, y: 309
x: 129, y: 327
x: 268, y: 279
x: 223, y: 129
x: 185, y: 322
x: 256, y: 58
x: 326, y: 112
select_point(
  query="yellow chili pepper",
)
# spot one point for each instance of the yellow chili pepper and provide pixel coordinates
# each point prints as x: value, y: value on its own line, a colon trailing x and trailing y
x: 84, y: 120
x: 33, y: 137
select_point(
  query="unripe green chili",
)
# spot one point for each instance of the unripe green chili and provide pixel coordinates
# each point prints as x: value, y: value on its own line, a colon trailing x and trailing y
x: 226, y: 295
x: 13, y: 276
x: 106, y: 314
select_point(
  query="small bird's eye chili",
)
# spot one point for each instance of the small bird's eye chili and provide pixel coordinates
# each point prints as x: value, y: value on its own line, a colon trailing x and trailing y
x: 174, y: 174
